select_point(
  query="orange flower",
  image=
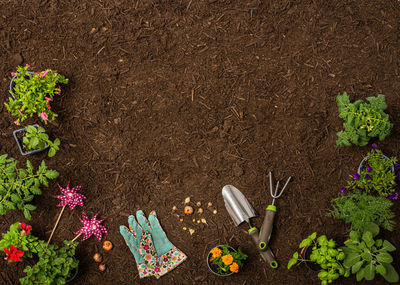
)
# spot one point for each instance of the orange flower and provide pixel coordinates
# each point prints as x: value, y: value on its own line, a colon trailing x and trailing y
x: 234, y: 267
x: 227, y: 259
x: 216, y: 252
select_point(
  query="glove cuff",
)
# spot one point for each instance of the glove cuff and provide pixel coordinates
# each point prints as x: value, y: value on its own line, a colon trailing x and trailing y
x: 169, y: 261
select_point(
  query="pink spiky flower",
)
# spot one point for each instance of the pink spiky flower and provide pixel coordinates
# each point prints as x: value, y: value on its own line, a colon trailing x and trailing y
x: 91, y: 227
x: 70, y: 197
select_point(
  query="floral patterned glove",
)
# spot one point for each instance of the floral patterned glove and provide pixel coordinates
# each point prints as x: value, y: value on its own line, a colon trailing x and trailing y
x: 169, y: 256
x: 141, y: 245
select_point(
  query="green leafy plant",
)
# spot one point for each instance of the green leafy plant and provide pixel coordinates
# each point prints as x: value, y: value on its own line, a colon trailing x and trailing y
x: 359, y: 209
x: 225, y: 261
x: 325, y: 254
x: 366, y: 256
x: 54, y: 267
x: 376, y: 175
x: 19, y: 236
x: 33, y: 93
x: 362, y: 121
x: 36, y: 138
x: 18, y: 186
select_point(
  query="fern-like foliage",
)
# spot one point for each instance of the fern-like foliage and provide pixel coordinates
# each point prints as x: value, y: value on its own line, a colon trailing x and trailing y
x: 18, y: 186
x: 359, y: 209
x: 362, y: 121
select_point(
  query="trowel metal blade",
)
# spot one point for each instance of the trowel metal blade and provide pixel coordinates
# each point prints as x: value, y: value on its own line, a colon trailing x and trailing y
x: 237, y: 205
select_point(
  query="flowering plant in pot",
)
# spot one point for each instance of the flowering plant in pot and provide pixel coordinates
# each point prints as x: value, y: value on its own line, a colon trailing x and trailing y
x: 18, y: 242
x: 376, y: 175
x: 367, y: 257
x: 35, y: 138
x: 56, y: 265
x: 224, y: 260
x: 19, y: 186
x: 324, y: 257
x: 31, y: 93
x: 362, y: 121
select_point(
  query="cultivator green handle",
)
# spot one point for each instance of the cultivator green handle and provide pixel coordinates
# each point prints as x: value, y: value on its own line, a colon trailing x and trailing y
x: 266, y: 254
x: 267, y: 226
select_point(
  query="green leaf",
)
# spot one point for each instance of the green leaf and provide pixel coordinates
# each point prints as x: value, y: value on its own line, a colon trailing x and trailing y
x: 51, y: 174
x: 291, y: 263
x: 360, y: 274
x: 30, y: 207
x: 391, y: 275
x: 351, y: 259
x: 52, y: 152
x: 367, y: 237
x: 388, y: 246
x: 384, y: 257
x: 369, y: 272
x: 381, y: 269
x: 356, y: 267
x: 366, y: 256
x: 27, y: 214
x: 305, y: 243
x: 373, y: 228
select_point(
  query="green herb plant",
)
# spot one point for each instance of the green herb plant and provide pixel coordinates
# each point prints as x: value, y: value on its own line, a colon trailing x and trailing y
x: 359, y: 209
x: 362, y: 121
x: 18, y: 186
x: 325, y: 254
x: 33, y: 93
x: 376, y: 175
x: 54, y: 267
x: 20, y: 239
x: 36, y: 138
x: 366, y: 257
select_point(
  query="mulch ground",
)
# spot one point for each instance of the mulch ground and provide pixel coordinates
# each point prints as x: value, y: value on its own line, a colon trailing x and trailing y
x: 170, y: 99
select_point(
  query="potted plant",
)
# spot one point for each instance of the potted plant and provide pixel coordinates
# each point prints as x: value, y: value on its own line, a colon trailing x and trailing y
x: 362, y: 121
x: 366, y: 256
x: 56, y: 265
x: 18, y: 242
x: 323, y: 257
x: 359, y: 208
x: 224, y: 260
x: 19, y: 186
x: 376, y: 174
x: 31, y: 93
x: 33, y: 139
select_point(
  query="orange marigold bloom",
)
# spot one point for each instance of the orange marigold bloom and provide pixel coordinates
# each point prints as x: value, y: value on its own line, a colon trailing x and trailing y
x: 227, y: 259
x: 234, y: 267
x: 216, y: 252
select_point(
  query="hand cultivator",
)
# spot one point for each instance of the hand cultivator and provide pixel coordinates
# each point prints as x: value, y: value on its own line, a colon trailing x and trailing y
x: 268, y: 223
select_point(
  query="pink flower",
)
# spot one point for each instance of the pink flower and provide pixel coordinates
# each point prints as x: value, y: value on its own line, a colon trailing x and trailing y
x: 44, y: 73
x: 44, y: 116
x: 37, y: 73
x: 48, y: 99
x: 48, y: 107
x: 59, y: 90
x: 20, y: 112
x: 13, y: 74
x: 55, y: 73
x: 17, y: 123
x: 27, y: 65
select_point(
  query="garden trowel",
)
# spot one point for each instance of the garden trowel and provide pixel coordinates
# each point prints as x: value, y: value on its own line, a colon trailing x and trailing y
x: 241, y: 211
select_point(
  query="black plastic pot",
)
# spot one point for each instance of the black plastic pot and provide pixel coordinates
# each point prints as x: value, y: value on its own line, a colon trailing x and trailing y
x: 73, y: 274
x: 12, y: 83
x: 210, y: 266
x: 20, y: 143
x: 305, y: 254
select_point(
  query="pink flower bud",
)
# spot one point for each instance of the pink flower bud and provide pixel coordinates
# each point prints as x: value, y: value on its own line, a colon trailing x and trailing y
x: 27, y: 65
x: 17, y: 123
x: 13, y: 74
x: 20, y: 112
x: 44, y: 116
x: 48, y: 99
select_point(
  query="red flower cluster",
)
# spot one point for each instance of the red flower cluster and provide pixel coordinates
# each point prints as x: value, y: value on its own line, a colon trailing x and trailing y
x: 26, y: 229
x: 13, y: 253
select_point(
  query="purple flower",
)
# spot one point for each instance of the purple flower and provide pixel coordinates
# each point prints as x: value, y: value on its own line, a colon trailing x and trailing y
x: 369, y: 169
x: 398, y: 175
x: 367, y: 176
x: 397, y: 166
x: 374, y: 146
x: 343, y: 190
x: 356, y: 176
x: 393, y: 197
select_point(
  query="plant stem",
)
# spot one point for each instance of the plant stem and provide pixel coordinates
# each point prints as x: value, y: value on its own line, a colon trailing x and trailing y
x: 75, y: 238
x: 55, y: 226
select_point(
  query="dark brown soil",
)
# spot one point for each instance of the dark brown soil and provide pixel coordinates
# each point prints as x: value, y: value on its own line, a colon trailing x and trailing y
x: 170, y: 99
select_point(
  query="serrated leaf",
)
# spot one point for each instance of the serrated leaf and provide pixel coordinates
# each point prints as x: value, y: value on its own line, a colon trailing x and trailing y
x: 388, y: 246
x: 30, y: 207
x: 51, y: 174
x: 27, y: 214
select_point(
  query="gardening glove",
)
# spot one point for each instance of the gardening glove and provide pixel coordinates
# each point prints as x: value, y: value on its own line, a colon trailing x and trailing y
x: 169, y: 256
x: 141, y: 245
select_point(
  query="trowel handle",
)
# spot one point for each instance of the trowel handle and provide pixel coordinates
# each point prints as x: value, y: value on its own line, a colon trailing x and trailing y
x: 267, y: 226
x: 266, y: 254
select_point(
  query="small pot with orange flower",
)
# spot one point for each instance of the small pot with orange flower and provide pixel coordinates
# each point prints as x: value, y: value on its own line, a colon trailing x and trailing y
x: 224, y: 260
